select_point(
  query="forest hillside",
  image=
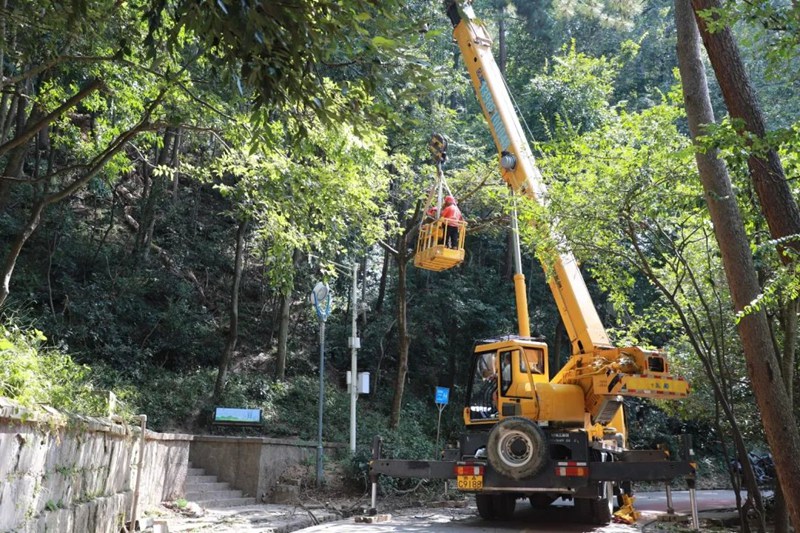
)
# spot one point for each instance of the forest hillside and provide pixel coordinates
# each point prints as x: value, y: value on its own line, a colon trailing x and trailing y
x: 178, y: 175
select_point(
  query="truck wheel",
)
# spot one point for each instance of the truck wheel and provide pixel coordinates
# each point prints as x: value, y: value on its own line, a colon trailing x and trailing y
x: 504, y: 506
x: 540, y: 501
x: 517, y: 448
x: 485, y: 503
x: 496, y: 506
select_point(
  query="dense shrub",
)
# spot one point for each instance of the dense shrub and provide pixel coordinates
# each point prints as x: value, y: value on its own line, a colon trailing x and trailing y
x: 32, y: 374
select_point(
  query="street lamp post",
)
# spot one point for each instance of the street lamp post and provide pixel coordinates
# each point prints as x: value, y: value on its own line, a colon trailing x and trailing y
x: 321, y: 297
x: 354, y: 342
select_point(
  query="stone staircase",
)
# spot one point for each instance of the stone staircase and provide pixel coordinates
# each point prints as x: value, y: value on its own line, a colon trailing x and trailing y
x: 207, y: 492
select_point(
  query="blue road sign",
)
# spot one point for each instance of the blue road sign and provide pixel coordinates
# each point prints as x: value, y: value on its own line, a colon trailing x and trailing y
x: 442, y: 395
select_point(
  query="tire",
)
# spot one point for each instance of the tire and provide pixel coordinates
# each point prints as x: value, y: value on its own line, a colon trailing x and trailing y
x: 496, y: 506
x: 504, y: 506
x: 517, y: 448
x: 485, y: 503
x: 540, y: 501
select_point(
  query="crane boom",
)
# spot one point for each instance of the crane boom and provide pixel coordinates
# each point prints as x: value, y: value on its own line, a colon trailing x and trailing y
x: 518, y: 169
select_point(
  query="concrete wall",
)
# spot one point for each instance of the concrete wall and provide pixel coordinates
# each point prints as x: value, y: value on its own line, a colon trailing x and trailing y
x: 67, y: 473
x: 77, y: 474
x: 253, y: 464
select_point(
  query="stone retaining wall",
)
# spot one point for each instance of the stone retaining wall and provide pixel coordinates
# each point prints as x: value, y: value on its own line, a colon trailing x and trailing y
x: 77, y: 474
x: 68, y: 473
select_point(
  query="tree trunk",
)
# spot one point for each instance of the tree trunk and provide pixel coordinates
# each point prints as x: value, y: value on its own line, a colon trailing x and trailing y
x: 364, y: 292
x: 16, y: 248
x: 762, y: 361
x: 777, y: 204
x: 157, y: 185
x: 403, y: 339
x: 283, y: 328
x: 501, y: 34
x: 16, y: 156
x: 174, y: 164
x: 382, y: 285
x: 788, y: 324
x: 283, y: 335
x: 8, y: 113
x: 233, y: 328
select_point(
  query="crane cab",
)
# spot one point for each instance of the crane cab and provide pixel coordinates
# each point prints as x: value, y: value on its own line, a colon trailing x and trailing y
x: 510, y: 378
x: 432, y: 251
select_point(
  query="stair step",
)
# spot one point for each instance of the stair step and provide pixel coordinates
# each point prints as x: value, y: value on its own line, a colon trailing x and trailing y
x: 196, y: 471
x: 213, y: 495
x: 200, y: 479
x: 229, y: 502
x: 206, y: 487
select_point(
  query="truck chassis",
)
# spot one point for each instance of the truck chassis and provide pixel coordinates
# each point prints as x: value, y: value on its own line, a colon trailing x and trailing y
x: 595, y: 476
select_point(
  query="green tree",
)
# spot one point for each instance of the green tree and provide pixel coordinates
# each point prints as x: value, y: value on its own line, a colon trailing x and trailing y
x: 318, y: 192
x: 624, y: 194
x: 782, y: 216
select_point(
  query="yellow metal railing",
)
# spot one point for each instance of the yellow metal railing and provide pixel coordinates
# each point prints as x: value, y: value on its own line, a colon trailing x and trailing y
x: 432, y: 252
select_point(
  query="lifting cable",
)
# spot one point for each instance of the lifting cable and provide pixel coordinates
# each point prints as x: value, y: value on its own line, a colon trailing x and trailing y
x: 438, y: 149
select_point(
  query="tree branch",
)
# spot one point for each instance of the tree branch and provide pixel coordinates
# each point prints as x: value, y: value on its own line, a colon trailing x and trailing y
x: 27, y: 135
x: 388, y: 248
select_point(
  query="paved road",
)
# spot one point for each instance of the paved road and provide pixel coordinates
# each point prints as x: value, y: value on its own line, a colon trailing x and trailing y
x: 528, y: 520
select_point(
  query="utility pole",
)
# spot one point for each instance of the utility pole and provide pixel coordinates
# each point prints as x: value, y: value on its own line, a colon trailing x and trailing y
x: 355, y: 344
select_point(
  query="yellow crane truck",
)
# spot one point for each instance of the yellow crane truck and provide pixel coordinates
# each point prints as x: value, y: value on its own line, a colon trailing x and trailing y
x: 526, y: 435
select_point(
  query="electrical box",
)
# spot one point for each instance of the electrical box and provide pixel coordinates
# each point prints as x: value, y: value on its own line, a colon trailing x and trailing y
x: 363, y: 383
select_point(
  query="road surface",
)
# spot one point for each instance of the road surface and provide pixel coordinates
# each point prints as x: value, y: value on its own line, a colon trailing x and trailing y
x: 527, y: 520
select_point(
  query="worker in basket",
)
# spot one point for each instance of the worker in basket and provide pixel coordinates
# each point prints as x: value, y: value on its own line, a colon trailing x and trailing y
x: 431, y: 216
x: 452, y: 214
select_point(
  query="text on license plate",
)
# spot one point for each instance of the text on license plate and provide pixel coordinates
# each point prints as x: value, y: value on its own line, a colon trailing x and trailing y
x: 470, y: 482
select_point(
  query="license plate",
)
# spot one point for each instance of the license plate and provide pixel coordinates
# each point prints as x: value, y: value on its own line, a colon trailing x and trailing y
x: 469, y: 482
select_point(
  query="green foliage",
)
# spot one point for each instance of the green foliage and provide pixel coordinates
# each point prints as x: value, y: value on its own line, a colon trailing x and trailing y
x: 172, y: 400
x: 773, y: 25
x: 783, y: 286
x: 283, y: 52
x: 573, y: 91
x: 310, y: 119
x: 51, y: 505
x: 321, y: 191
x: 32, y: 374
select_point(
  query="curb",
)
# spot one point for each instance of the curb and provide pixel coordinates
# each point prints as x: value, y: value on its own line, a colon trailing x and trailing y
x: 294, y: 525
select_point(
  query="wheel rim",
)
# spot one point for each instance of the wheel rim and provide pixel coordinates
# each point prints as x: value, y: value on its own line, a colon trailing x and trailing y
x: 515, y: 448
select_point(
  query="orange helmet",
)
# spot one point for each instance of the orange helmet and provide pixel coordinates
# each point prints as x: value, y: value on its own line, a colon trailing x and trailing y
x: 449, y: 200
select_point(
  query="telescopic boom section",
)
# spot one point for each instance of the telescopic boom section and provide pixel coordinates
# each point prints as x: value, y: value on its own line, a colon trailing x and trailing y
x: 518, y: 169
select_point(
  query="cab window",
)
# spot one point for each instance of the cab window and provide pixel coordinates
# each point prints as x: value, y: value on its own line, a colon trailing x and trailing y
x: 534, y: 357
x: 483, y: 389
x: 505, y: 371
